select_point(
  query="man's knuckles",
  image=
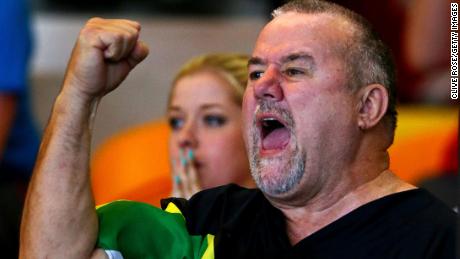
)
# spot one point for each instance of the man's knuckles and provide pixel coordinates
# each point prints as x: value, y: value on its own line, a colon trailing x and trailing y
x: 103, y: 34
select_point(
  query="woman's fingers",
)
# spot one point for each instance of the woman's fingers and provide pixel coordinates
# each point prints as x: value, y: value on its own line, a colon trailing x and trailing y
x: 177, y: 182
x: 194, y: 184
x: 185, y: 179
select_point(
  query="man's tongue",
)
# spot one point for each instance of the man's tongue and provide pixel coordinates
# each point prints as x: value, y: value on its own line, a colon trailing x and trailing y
x: 277, y: 139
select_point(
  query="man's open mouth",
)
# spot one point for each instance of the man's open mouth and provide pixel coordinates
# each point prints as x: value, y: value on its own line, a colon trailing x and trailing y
x: 274, y: 133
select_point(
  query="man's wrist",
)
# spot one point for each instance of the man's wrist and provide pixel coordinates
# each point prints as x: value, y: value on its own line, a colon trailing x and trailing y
x: 72, y: 102
x: 71, y: 93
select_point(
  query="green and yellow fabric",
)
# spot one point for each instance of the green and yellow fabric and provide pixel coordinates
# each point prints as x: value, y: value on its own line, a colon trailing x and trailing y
x: 140, y: 230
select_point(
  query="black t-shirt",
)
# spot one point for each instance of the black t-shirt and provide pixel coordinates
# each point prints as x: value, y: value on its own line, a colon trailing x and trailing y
x: 410, y: 225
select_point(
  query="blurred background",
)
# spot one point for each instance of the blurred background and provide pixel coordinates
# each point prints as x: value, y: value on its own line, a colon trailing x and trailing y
x: 426, y: 145
x: 179, y: 29
x: 175, y: 30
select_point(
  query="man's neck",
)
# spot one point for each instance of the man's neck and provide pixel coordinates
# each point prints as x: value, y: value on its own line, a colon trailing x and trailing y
x: 305, y: 220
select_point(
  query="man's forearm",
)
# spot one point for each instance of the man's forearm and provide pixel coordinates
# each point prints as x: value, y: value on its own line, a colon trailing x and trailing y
x: 59, y: 212
x: 59, y: 218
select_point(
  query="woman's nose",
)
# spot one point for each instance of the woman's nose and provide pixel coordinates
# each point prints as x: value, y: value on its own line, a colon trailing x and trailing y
x: 187, y: 137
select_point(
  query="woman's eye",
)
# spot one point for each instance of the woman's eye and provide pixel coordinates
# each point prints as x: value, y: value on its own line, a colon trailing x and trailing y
x: 214, y: 120
x: 175, y: 123
x: 255, y: 75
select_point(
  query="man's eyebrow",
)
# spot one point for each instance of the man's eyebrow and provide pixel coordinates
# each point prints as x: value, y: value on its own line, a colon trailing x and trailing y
x: 256, y: 61
x: 302, y: 56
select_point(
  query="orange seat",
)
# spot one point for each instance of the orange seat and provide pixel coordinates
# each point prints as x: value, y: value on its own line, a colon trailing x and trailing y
x: 422, y: 140
x: 134, y: 164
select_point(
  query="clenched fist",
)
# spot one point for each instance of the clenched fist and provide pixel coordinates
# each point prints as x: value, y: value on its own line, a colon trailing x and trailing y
x: 105, y: 52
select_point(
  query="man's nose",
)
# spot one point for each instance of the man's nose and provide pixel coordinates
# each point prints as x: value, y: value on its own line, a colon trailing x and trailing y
x: 187, y: 136
x: 268, y: 86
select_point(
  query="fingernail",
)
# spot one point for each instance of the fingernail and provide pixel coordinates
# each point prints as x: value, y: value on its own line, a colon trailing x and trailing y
x: 177, y: 179
x: 190, y: 154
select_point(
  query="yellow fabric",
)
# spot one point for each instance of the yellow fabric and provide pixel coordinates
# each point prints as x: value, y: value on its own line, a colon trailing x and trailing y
x: 209, y: 253
x: 172, y: 208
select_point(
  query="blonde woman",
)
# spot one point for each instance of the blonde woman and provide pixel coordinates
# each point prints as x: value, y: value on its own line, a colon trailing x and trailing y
x: 204, y: 112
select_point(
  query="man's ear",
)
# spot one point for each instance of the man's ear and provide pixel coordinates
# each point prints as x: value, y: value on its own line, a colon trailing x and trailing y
x: 372, y: 105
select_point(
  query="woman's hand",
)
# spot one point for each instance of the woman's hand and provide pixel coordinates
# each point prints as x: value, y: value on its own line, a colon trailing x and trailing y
x: 185, y: 179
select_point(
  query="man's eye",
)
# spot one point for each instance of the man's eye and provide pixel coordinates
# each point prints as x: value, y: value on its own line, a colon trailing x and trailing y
x: 214, y: 120
x: 176, y: 123
x: 255, y: 75
x: 293, y: 72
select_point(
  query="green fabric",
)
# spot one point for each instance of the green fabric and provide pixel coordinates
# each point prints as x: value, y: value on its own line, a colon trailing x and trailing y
x: 139, y: 230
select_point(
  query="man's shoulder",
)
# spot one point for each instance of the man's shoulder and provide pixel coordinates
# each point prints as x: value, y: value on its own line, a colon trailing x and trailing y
x: 417, y: 210
x: 409, y: 224
x: 415, y: 224
x: 423, y: 224
x: 421, y: 206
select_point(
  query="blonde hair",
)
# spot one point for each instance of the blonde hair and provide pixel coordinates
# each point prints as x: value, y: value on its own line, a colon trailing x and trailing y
x: 232, y: 67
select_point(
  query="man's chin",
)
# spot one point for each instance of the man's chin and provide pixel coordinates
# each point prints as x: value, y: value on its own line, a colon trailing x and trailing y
x: 277, y: 179
x: 272, y: 182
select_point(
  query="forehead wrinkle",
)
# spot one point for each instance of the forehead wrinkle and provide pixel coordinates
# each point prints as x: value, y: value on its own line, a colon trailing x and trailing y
x: 297, y: 56
x: 342, y: 30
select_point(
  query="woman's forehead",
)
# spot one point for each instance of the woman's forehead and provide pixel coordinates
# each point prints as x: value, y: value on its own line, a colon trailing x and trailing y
x: 204, y: 87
